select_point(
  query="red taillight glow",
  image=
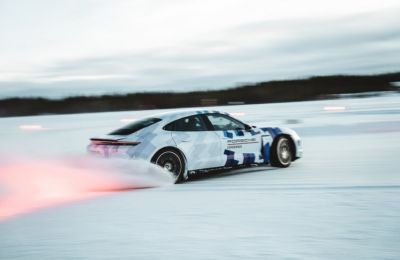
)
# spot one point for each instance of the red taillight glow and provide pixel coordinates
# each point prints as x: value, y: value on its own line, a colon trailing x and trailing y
x: 28, y: 185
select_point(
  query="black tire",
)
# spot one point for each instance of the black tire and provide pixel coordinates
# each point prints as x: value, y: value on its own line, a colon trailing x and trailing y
x: 282, y: 152
x: 172, y: 161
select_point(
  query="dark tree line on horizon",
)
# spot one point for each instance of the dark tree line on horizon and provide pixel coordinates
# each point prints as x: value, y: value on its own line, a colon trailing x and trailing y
x: 264, y: 92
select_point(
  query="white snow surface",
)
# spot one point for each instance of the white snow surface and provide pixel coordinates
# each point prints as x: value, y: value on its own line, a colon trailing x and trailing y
x: 341, y: 201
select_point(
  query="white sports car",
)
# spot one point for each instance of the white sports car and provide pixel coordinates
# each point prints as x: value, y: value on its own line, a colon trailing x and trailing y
x: 189, y: 142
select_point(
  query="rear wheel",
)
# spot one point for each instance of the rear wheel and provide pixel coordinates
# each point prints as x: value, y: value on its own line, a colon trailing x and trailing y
x: 172, y: 161
x: 282, y: 152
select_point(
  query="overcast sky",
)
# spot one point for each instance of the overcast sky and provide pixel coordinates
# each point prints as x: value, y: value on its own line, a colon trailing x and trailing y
x: 82, y: 47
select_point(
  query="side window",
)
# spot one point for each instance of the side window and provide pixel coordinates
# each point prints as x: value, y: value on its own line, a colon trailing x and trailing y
x: 191, y: 123
x: 223, y: 122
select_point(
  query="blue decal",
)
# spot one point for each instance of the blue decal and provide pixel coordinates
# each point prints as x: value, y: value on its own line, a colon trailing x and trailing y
x: 254, y: 132
x: 272, y: 131
x: 277, y: 131
x: 202, y: 112
x: 266, y: 152
x: 249, y: 158
x: 239, y: 133
x: 228, y: 134
x: 230, y: 158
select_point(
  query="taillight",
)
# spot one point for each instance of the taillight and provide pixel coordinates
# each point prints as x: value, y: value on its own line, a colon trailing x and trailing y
x: 98, y: 141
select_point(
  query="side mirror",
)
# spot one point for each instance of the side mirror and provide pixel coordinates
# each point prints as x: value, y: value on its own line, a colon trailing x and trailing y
x: 247, y: 128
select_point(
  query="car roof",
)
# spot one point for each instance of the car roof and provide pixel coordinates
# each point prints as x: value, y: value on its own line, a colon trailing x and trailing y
x: 169, y: 116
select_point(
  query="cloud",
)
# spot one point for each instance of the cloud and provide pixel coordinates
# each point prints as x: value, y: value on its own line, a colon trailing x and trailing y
x: 208, y: 56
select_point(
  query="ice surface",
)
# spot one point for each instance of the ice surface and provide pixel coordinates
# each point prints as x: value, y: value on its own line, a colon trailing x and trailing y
x: 342, y: 200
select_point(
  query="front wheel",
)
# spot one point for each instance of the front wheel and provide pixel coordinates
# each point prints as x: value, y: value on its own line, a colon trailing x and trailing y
x: 281, y: 153
x: 172, y: 162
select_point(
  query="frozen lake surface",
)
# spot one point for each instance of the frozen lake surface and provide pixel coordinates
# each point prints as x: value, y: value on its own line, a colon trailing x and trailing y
x: 342, y: 200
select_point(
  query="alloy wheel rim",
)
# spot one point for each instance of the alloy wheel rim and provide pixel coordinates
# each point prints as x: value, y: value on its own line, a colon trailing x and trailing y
x: 284, y: 151
x: 171, y: 162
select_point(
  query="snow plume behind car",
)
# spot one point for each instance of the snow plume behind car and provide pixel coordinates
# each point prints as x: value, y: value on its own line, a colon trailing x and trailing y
x: 28, y: 184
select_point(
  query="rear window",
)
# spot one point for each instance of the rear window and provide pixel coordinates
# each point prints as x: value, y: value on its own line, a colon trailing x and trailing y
x: 135, y: 126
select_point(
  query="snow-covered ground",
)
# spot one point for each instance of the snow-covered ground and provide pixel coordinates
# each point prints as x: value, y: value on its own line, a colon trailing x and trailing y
x: 342, y: 200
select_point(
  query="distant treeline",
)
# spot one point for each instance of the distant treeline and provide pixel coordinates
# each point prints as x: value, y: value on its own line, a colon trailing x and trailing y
x: 263, y: 92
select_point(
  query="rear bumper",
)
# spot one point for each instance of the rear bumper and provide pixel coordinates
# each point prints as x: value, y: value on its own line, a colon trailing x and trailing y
x: 101, y: 150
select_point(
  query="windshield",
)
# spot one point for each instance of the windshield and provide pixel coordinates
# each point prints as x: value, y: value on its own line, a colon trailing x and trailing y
x: 135, y: 126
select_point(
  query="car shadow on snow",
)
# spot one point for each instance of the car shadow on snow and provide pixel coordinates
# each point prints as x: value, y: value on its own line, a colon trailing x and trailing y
x: 228, y: 173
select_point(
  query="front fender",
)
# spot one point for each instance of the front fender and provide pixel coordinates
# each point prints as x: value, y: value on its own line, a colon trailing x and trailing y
x: 279, y: 131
